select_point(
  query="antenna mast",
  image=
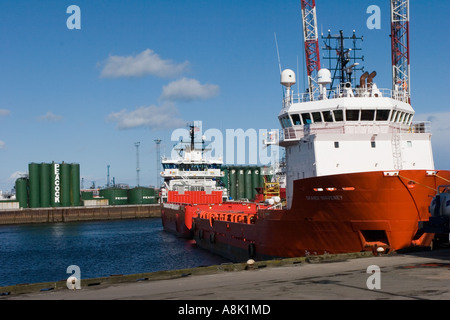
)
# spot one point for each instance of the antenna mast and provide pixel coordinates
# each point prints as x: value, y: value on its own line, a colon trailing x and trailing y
x: 137, y: 163
x: 310, y: 37
x: 158, y: 160
x: 346, y: 58
x: 107, y: 180
x: 400, y: 48
x: 278, y: 52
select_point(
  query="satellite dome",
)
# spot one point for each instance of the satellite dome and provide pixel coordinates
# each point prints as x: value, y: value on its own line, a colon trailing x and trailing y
x: 324, y: 76
x: 288, y: 78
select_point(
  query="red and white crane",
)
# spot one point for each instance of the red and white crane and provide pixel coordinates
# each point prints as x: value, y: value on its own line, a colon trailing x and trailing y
x: 311, y: 40
x: 400, y: 47
x: 401, y: 81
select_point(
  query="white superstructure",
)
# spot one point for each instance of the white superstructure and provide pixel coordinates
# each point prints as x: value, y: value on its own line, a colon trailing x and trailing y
x: 191, y: 171
x: 351, y: 130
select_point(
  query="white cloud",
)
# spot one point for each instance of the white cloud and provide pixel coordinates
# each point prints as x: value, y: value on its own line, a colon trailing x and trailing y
x: 50, y: 117
x: 15, y: 175
x: 188, y: 90
x: 440, y: 129
x: 144, y: 63
x: 4, y: 112
x: 440, y: 123
x: 153, y: 117
x: 2, y: 144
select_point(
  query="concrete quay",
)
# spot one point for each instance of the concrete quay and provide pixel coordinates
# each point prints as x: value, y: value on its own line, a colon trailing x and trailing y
x: 71, y: 214
x: 422, y: 275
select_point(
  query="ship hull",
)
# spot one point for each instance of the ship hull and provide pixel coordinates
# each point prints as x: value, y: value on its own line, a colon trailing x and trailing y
x: 177, y: 218
x: 331, y: 214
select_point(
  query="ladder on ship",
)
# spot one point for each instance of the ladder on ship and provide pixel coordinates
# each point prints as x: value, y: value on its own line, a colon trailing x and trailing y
x: 397, y: 151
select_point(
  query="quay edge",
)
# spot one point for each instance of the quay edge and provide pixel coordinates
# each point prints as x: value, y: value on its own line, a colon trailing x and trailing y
x: 12, y: 290
x: 72, y: 214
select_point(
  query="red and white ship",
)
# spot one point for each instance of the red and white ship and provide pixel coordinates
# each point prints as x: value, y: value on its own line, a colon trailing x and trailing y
x: 360, y: 173
x: 359, y: 176
x: 191, y: 184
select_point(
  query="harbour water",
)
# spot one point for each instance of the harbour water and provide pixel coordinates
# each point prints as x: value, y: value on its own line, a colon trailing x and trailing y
x: 43, y: 252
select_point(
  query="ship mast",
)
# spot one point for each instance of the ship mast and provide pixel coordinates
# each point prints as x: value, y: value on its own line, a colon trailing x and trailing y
x: 346, y: 58
x: 400, y: 48
x: 192, y: 135
x: 310, y: 38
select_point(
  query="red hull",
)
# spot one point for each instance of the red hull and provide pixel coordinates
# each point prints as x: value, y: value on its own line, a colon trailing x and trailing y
x: 330, y: 214
x: 177, y: 218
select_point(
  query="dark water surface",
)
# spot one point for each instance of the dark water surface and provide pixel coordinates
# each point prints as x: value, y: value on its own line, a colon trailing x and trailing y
x: 42, y: 252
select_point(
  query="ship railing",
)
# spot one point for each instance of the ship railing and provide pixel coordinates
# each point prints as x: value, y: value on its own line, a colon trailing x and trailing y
x: 347, y: 93
x: 421, y: 127
x: 297, y: 133
x: 191, y: 174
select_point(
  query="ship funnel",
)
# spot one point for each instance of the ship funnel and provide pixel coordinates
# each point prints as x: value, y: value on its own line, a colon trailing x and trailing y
x: 370, y: 78
x: 362, y: 80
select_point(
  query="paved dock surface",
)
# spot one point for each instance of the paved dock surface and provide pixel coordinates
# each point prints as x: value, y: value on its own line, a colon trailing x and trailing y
x: 408, y: 276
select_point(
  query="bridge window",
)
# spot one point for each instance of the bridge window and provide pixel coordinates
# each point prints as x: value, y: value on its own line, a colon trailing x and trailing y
x: 393, y: 115
x: 327, y: 116
x: 306, y: 117
x: 397, y: 116
x: 407, y: 117
x: 296, y: 119
x: 352, y: 115
x: 317, y: 117
x: 367, y: 115
x: 383, y: 115
x: 410, y: 118
x: 288, y: 121
x: 285, y: 122
x: 338, y: 115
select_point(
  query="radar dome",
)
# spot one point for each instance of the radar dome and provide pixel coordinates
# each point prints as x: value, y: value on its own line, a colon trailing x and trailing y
x: 324, y: 76
x: 288, y: 78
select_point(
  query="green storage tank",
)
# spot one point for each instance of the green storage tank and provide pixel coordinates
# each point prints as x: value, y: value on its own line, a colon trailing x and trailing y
x: 44, y: 185
x: 142, y: 195
x: 115, y: 196
x: 65, y: 184
x: 248, y: 183
x: 55, y: 185
x: 225, y: 178
x: 233, y: 182
x: 34, y: 196
x: 240, y: 183
x: 75, y: 184
x: 256, y: 181
x: 87, y: 195
x: 22, y: 192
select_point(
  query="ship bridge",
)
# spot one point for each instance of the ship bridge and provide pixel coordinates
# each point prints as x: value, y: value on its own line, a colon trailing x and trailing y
x: 352, y: 110
x: 350, y: 130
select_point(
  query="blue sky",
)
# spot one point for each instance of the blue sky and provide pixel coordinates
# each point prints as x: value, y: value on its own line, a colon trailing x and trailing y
x: 136, y: 70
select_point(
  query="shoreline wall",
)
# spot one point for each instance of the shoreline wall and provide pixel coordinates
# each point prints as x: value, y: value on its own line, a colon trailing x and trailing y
x: 72, y: 214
